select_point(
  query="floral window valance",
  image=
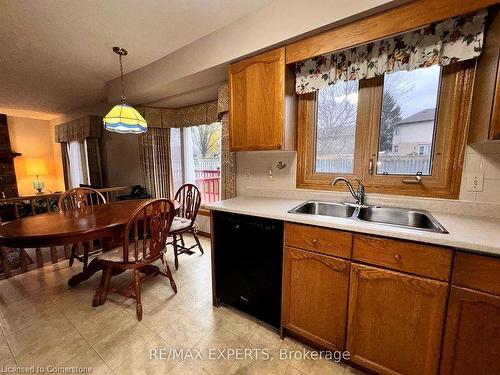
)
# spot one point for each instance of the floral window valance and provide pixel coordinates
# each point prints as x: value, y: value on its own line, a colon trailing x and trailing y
x: 456, y: 39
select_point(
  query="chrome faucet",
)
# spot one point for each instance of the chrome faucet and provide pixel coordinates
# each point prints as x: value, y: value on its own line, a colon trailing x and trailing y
x: 359, y: 195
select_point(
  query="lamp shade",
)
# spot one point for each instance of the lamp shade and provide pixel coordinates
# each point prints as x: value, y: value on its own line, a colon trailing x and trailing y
x: 36, y: 167
x: 124, y: 119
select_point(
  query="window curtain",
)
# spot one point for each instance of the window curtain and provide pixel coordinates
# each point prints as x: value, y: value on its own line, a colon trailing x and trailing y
x: 86, y: 130
x: 94, y: 161
x: 78, y: 162
x: 155, y: 158
x: 450, y: 41
x: 228, y: 159
x: 65, y: 163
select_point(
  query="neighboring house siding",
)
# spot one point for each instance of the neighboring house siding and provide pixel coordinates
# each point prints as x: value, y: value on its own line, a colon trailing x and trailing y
x: 408, y: 138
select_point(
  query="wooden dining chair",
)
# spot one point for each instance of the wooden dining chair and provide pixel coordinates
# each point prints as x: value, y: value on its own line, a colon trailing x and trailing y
x: 80, y: 197
x: 189, y: 198
x: 144, y: 241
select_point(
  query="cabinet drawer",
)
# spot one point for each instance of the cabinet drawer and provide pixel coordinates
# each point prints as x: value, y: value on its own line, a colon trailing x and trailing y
x: 420, y: 259
x: 477, y: 272
x: 321, y: 240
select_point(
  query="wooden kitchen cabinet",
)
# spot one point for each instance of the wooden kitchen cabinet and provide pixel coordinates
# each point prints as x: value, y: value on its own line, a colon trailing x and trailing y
x: 472, y: 334
x: 472, y: 337
x: 485, y: 116
x: 315, y: 293
x: 395, y: 321
x: 262, y: 103
x: 321, y: 240
x: 411, y: 257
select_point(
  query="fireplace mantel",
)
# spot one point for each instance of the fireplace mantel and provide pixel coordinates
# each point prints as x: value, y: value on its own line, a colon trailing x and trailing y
x: 8, y: 155
x: 8, y: 181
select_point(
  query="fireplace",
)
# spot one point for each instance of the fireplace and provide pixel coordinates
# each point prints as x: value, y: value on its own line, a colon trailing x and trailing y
x: 8, y: 183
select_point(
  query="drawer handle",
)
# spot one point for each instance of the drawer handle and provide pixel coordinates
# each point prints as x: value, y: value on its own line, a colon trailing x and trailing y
x: 397, y: 257
x: 315, y: 241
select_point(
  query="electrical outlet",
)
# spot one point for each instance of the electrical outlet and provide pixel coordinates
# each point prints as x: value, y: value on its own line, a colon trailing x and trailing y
x: 475, y: 182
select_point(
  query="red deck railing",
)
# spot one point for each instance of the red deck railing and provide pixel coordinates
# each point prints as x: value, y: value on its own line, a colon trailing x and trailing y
x: 208, y: 181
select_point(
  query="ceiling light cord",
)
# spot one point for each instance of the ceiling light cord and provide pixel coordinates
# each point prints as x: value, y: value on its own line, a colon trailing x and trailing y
x: 124, y: 98
x: 123, y: 118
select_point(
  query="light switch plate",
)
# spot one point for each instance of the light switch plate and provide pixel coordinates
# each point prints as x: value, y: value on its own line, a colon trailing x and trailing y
x: 475, y: 182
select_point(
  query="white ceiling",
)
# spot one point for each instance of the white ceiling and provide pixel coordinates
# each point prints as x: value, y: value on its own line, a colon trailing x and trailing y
x: 56, y: 56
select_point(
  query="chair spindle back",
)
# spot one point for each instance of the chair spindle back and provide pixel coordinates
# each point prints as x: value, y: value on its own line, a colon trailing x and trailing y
x: 189, y: 198
x: 80, y: 197
x: 147, y: 230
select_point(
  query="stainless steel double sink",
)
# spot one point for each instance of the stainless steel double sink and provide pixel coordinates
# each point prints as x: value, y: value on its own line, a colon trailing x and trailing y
x: 398, y: 217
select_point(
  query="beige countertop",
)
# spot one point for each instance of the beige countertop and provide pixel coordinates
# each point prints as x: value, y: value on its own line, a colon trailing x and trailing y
x: 474, y: 233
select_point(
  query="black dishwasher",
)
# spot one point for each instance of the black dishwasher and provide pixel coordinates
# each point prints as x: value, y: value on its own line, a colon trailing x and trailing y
x: 248, y: 254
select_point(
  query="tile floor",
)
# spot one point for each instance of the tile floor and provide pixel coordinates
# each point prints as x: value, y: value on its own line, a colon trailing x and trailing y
x: 44, y: 323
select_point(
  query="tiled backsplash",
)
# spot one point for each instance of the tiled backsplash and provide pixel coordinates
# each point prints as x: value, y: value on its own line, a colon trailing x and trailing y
x: 483, y: 159
x: 253, y: 176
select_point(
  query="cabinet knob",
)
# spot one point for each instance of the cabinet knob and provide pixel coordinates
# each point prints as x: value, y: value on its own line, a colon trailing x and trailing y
x: 314, y: 241
x: 397, y: 257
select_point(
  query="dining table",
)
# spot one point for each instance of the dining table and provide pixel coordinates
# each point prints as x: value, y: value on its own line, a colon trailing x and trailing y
x: 79, y: 225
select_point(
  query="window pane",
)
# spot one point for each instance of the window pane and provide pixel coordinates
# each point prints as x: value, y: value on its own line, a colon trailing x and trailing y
x: 78, y: 171
x: 205, y: 153
x: 336, y: 127
x: 176, y: 158
x: 407, y: 127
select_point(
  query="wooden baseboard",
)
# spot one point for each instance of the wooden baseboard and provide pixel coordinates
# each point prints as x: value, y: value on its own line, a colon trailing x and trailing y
x: 204, y: 234
x: 203, y: 212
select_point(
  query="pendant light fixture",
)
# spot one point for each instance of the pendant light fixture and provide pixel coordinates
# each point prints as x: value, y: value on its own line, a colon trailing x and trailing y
x: 123, y: 118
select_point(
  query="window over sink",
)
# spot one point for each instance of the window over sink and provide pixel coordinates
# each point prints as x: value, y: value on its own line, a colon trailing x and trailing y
x: 336, y: 126
x: 386, y: 130
x: 407, y: 122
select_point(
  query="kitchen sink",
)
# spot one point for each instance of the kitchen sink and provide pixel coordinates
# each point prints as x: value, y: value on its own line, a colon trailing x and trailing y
x: 400, y: 217
x: 324, y: 209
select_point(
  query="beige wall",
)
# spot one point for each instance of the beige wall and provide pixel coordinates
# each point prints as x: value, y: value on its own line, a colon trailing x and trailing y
x: 252, y: 172
x: 120, y: 152
x: 121, y: 159
x: 203, y: 62
x: 33, y: 139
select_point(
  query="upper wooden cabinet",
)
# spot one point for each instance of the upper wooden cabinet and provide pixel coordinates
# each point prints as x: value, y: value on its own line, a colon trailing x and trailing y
x: 485, y: 118
x: 262, y: 103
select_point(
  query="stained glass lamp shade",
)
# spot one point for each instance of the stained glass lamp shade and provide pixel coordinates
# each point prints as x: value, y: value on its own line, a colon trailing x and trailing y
x: 124, y: 119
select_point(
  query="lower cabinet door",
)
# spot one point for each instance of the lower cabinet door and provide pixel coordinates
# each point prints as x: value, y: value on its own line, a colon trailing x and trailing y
x: 395, y: 321
x: 472, y: 336
x: 315, y: 289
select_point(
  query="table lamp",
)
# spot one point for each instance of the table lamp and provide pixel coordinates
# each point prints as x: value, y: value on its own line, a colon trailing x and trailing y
x: 36, y: 167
